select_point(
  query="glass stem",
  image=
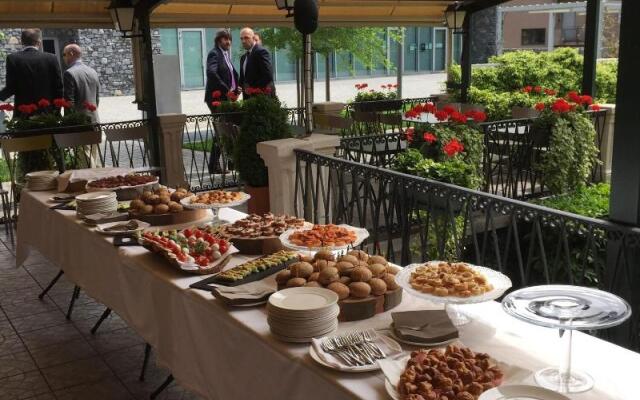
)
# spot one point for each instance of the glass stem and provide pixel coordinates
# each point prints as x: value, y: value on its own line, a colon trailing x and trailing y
x: 565, y: 365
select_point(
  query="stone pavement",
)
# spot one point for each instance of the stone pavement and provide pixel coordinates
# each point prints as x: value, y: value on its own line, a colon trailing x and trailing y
x: 121, y: 108
x: 43, y: 356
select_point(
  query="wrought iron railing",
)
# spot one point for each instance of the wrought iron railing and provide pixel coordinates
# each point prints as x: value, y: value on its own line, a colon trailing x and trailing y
x: 412, y: 219
x: 511, y: 154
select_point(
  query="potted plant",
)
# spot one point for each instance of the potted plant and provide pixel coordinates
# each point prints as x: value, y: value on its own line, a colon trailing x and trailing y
x: 264, y: 119
x: 570, y: 146
x: 376, y: 100
x: 230, y: 109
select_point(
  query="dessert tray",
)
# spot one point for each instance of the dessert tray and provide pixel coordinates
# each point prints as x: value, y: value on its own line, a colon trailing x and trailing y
x: 494, y: 284
x: 255, y: 269
x: 324, y: 237
x: 215, y: 199
x: 127, y: 187
x: 162, y: 207
x: 190, y: 250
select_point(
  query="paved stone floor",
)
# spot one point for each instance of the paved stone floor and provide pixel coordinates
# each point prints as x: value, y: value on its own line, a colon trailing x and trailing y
x: 43, y: 356
x: 121, y: 108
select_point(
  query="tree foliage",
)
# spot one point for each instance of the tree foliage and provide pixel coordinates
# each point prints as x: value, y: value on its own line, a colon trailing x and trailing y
x: 366, y: 44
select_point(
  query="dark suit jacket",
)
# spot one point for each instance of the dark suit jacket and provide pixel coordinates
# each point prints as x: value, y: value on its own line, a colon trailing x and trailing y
x: 32, y: 75
x: 259, y: 71
x: 218, y: 75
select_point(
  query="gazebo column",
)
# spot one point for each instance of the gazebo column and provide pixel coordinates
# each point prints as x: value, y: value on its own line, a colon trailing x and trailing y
x: 465, y: 62
x: 591, y: 46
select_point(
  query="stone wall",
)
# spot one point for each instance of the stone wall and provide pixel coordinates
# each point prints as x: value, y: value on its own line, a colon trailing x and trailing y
x: 105, y: 50
x: 483, y: 35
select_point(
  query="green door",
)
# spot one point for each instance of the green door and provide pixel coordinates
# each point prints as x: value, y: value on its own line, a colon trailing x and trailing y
x: 425, y: 49
x: 192, y: 57
x: 439, y: 51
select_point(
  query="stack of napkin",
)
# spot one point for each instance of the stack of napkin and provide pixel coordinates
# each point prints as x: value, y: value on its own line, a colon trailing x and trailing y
x: 438, y: 328
x: 249, y: 293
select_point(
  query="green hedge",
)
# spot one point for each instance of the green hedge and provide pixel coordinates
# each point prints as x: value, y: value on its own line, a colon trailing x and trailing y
x: 590, y: 201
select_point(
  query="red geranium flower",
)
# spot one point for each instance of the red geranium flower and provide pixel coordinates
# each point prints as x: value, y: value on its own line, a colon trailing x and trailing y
x: 527, y: 89
x: 594, y: 107
x: 59, y: 102
x: 383, y: 86
x: 537, y: 89
x: 267, y: 90
x: 216, y: 103
x: 574, y: 96
x: 6, y: 107
x: 429, y: 108
x: 411, y: 114
x: 561, y: 106
x: 27, y: 108
x: 429, y: 137
x: 550, y: 92
x: 586, y: 99
x: 232, y: 96
x: 44, y: 103
x: 458, y: 117
x: 409, y: 134
x: 89, y: 106
x: 540, y: 106
x: 477, y: 116
x: 453, y: 147
x: 441, y: 115
x: 448, y: 109
x: 216, y: 94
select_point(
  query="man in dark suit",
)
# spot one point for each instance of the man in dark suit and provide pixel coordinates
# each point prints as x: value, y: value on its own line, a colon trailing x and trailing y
x: 32, y: 74
x: 222, y: 77
x: 256, y: 71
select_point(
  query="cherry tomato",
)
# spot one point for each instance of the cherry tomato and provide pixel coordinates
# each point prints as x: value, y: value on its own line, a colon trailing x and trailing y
x: 187, y: 232
x: 202, y: 261
x: 198, y: 233
x: 223, y: 247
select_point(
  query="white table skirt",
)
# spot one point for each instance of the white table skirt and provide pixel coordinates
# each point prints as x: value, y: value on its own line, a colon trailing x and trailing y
x: 223, y: 353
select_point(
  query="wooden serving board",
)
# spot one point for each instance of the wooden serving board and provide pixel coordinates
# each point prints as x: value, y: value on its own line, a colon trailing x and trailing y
x: 251, y: 278
x: 181, y: 217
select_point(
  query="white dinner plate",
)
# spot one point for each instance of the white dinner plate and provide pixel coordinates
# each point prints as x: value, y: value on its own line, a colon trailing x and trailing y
x: 42, y: 174
x: 303, y: 299
x: 95, y: 196
x: 304, y: 339
x: 101, y: 228
x: 521, y: 392
x: 391, y: 390
x: 361, y: 368
x: 361, y: 235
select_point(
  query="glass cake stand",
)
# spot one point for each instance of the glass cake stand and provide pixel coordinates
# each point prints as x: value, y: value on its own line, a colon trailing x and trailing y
x: 566, y: 308
x: 215, y: 208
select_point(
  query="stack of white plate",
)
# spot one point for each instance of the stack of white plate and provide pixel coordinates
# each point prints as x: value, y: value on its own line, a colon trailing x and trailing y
x: 303, y: 313
x: 42, y: 180
x: 96, y: 203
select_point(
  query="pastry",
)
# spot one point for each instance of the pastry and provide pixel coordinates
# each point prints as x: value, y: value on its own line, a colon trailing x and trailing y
x: 449, y: 279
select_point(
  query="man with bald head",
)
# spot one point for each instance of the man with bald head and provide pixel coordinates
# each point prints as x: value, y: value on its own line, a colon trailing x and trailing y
x: 81, y: 83
x: 256, y: 70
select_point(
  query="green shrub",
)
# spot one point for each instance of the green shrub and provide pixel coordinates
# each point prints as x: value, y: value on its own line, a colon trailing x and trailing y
x: 590, y: 201
x: 264, y: 119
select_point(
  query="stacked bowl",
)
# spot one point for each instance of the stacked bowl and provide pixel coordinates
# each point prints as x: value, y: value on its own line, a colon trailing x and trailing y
x: 96, y: 203
x: 302, y: 313
x: 42, y: 180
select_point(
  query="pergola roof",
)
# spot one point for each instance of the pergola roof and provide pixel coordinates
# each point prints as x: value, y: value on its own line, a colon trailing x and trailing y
x: 184, y: 13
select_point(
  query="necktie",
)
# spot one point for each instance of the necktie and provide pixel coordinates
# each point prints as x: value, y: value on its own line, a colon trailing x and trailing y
x: 227, y: 59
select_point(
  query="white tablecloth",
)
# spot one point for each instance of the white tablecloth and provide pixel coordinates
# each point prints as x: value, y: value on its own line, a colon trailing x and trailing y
x: 223, y: 353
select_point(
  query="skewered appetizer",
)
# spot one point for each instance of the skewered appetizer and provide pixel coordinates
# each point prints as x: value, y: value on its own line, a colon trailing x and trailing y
x: 259, y: 267
x: 456, y: 373
x: 267, y: 225
x: 122, y: 181
x: 323, y: 236
x: 159, y: 201
x: 449, y: 279
x: 192, y: 245
x: 217, y: 197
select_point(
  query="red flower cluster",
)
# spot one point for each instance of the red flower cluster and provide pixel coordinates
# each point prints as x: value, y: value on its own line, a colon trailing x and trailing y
x: 561, y: 106
x: 89, y: 106
x: 457, y: 117
x: 540, y: 107
x: 477, y: 116
x: 448, y: 109
x: 594, y: 107
x: 441, y: 115
x: 361, y: 86
x: 409, y: 134
x: 27, y: 108
x: 216, y: 94
x: 527, y: 89
x: 453, y: 147
x: 389, y: 86
x: 215, y: 103
x: 550, y: 92
x: 44, y: 103
x: 6, y: 107
x: 232, y: 96
x: 429, y: 137
x: 253, y: 91
x: 538, y: 90
x: 62, y: 103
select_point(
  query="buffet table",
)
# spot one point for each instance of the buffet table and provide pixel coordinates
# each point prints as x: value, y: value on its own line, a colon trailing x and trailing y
x: 228, y: 353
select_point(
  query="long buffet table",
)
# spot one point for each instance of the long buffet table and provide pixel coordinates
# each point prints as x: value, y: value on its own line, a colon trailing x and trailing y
x: 228, y: 353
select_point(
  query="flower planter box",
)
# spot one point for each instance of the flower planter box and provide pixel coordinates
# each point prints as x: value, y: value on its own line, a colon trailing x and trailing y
x: 518, y: 112
x: 378, y: 105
